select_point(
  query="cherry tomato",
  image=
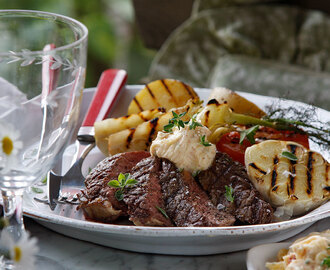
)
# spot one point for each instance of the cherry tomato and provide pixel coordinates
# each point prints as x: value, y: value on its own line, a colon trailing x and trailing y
x: 229, y: 142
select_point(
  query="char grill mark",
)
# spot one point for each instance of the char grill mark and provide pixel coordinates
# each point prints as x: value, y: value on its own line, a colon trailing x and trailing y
x: 253, y: 165
x: 130, y: 137
x: 309, y: 172
x: 207, y: 115
x: 188, y: 90
x: 185, y: 202
x: 292, y: 174
x: 153, y: 123
x: 169, y: 92
x: 98, y: 200
x: 152, y: 95
x: 138, y: 104
x: 248, y: 206
x: 213, y: 101
x: 274, y: 175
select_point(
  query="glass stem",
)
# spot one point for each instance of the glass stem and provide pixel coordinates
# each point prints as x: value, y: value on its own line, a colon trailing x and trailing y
x: 13, y: 211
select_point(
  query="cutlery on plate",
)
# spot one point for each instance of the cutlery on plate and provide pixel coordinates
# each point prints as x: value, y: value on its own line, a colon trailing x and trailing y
x: 108, y: 88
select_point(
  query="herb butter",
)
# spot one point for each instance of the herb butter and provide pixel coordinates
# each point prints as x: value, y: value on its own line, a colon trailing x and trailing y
x: 184, y: 148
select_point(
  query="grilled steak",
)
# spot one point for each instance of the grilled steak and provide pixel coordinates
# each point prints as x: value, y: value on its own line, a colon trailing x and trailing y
x: 98, y: 200
x: 145, y: 200
x: 248, y: 206
x: 185, y: 202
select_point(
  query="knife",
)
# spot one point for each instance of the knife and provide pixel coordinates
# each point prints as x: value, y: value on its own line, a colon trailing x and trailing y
x: 107, y: 91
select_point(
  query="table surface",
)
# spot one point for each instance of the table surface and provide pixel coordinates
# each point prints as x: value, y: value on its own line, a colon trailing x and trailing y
x: 76, y: 254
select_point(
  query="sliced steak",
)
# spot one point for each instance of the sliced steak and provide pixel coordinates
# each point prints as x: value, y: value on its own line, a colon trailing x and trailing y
x: 97, y: 200
x: 145, y: 200
x: 185, y: 202
x: 248, y: 206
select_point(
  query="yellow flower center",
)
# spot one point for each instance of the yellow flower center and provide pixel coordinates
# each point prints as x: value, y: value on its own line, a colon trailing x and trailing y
x: 18, y: 254
x: 7, y: 145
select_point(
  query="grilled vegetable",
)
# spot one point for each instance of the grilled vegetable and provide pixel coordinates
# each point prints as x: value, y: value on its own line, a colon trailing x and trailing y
x: 112, y: 125
x: 288, y: 175
x: 236, y: 102
x: 165, y: 93
x: 140, y: 138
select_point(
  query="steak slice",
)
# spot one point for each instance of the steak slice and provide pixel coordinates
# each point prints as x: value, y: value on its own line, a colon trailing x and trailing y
x: 145, y: 200
x: 185, y: 202
x: 98, y: 200
x: 248, y: 206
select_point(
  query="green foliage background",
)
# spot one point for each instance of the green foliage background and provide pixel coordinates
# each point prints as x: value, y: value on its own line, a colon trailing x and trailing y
x: 113, y: 41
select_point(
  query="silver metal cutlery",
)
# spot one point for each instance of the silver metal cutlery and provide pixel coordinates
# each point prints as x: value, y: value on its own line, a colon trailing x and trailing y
x: 64, y: 188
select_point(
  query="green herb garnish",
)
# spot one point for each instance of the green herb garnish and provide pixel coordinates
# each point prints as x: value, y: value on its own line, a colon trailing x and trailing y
x: 44, y: 180
x: 175, y: 122
x: 195, y: 173
x: 229, y: 193
x: 37, y: 190
x: 248, y: 134
x: 203, y: 142
x: 193, y: 123
x: 289, y: 155
x: 162, y: 211
x: 123, y: 181
x: 326, y: 261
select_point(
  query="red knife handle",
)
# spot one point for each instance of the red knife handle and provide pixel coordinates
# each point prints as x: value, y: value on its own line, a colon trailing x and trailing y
x: 49, y: 75
x: 108, y: 88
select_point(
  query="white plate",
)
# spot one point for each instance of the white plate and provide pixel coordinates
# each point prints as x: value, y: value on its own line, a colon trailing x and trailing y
x: 258, y: 256
x: 180, y: 241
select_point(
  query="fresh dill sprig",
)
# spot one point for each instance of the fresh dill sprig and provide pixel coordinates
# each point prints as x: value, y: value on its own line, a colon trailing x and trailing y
x: 301, y: 119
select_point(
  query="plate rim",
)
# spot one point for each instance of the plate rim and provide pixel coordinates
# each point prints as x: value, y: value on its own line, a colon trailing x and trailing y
x: 182, y: 231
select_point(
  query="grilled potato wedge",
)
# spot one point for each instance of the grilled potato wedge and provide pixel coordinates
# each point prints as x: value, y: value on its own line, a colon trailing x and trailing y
x: 294, y: 186
x: 165, y: 93
x: 141, y: 137
x: 103, y: 129
x: 236, y: 102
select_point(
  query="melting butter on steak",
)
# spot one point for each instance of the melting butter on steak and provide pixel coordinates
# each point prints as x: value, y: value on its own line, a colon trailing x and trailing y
x: 183, y: 147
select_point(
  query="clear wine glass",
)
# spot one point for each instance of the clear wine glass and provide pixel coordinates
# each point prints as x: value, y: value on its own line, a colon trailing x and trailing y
x: 42, y: 74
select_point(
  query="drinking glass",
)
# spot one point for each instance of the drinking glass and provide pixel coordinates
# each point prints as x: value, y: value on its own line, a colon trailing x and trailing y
x: 42, y: 74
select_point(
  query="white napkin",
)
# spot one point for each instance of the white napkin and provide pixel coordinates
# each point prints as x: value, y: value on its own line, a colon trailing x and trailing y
x: 10, y: 98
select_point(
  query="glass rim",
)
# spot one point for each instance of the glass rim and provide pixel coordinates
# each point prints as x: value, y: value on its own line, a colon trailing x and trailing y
x: 46, y: 14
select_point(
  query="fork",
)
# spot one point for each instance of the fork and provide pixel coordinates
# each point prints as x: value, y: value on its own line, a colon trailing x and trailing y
x: 108, y: 88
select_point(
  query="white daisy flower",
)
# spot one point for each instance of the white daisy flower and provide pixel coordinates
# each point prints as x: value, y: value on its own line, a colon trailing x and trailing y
x: 9, y: 146
x: 21, y: 253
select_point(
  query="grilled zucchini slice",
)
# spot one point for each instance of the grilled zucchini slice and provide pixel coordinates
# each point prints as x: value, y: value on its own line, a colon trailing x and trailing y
x: 296, y: 186
x: 165, y: 93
